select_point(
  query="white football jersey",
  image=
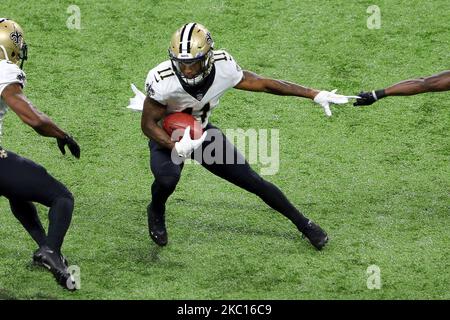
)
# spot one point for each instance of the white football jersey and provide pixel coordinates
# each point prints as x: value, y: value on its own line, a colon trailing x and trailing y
x: 9, y: 73
x: 164, y: 86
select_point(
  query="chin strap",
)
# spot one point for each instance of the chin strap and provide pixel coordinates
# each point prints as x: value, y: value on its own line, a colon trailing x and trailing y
x: 23, y: 54
x: 4, y: 52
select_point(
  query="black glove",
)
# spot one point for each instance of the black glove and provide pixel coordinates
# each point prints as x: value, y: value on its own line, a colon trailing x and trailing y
x: 368, y: 98
x: 71, y: 143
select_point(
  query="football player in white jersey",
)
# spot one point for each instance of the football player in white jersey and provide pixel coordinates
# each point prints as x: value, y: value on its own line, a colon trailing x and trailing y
x: 434, y: 83
x: 192, y: 81
x: 22, y: 181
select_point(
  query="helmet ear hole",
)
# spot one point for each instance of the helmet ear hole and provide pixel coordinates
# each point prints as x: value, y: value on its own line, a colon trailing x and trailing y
x: 13, y: 54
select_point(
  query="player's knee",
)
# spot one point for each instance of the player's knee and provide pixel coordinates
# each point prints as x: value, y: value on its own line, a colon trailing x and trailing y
x: 167, y: 182
x: 64, y: 195
x: 248, y: 179
x: 69, y: 196
x: 257, y: 183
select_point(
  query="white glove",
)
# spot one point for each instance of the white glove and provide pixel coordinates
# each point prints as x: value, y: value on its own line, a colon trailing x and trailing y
x: 186, y: 145
x: 136, y: 103
x: 324, y: 98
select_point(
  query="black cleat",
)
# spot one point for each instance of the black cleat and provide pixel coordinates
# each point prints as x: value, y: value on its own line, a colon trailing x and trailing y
x: 37, y: 259
x: 315, y: 235
x: 57, y: 265
x: 157, y: 228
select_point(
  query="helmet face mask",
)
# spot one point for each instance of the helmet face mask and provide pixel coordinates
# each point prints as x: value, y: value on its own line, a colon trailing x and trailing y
x: 192, y: 44
x: 23, y: 54
x: 12, y: 44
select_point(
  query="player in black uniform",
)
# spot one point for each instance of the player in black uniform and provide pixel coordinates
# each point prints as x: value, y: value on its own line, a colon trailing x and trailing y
x: 22, y: 181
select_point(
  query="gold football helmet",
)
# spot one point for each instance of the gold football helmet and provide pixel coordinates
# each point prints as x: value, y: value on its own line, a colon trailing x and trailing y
x: 191, y: 47
x: 12, y: 44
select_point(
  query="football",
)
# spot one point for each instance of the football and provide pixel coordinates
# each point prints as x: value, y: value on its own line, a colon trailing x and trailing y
x: 175, y: 123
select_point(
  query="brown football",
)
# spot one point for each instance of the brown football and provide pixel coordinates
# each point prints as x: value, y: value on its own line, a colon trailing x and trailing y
x: 175, y: 123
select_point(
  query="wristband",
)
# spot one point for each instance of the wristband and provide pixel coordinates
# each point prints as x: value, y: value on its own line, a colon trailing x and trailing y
x: 378, y: 94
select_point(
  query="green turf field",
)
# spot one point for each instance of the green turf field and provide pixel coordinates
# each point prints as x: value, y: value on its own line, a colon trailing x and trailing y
x: 376, y: 178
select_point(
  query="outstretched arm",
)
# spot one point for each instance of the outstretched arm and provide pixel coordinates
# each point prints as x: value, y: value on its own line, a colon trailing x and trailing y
x: 253, y: 82
x: 18, y: 102
x: 434, y: 83
x: 42, y: 124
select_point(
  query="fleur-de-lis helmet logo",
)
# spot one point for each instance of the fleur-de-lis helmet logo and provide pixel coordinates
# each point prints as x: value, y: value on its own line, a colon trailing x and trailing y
x: 16, y: 37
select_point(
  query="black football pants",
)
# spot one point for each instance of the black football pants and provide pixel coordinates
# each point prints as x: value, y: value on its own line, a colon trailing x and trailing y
x: 23, y: 182
x: 167, y: 174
